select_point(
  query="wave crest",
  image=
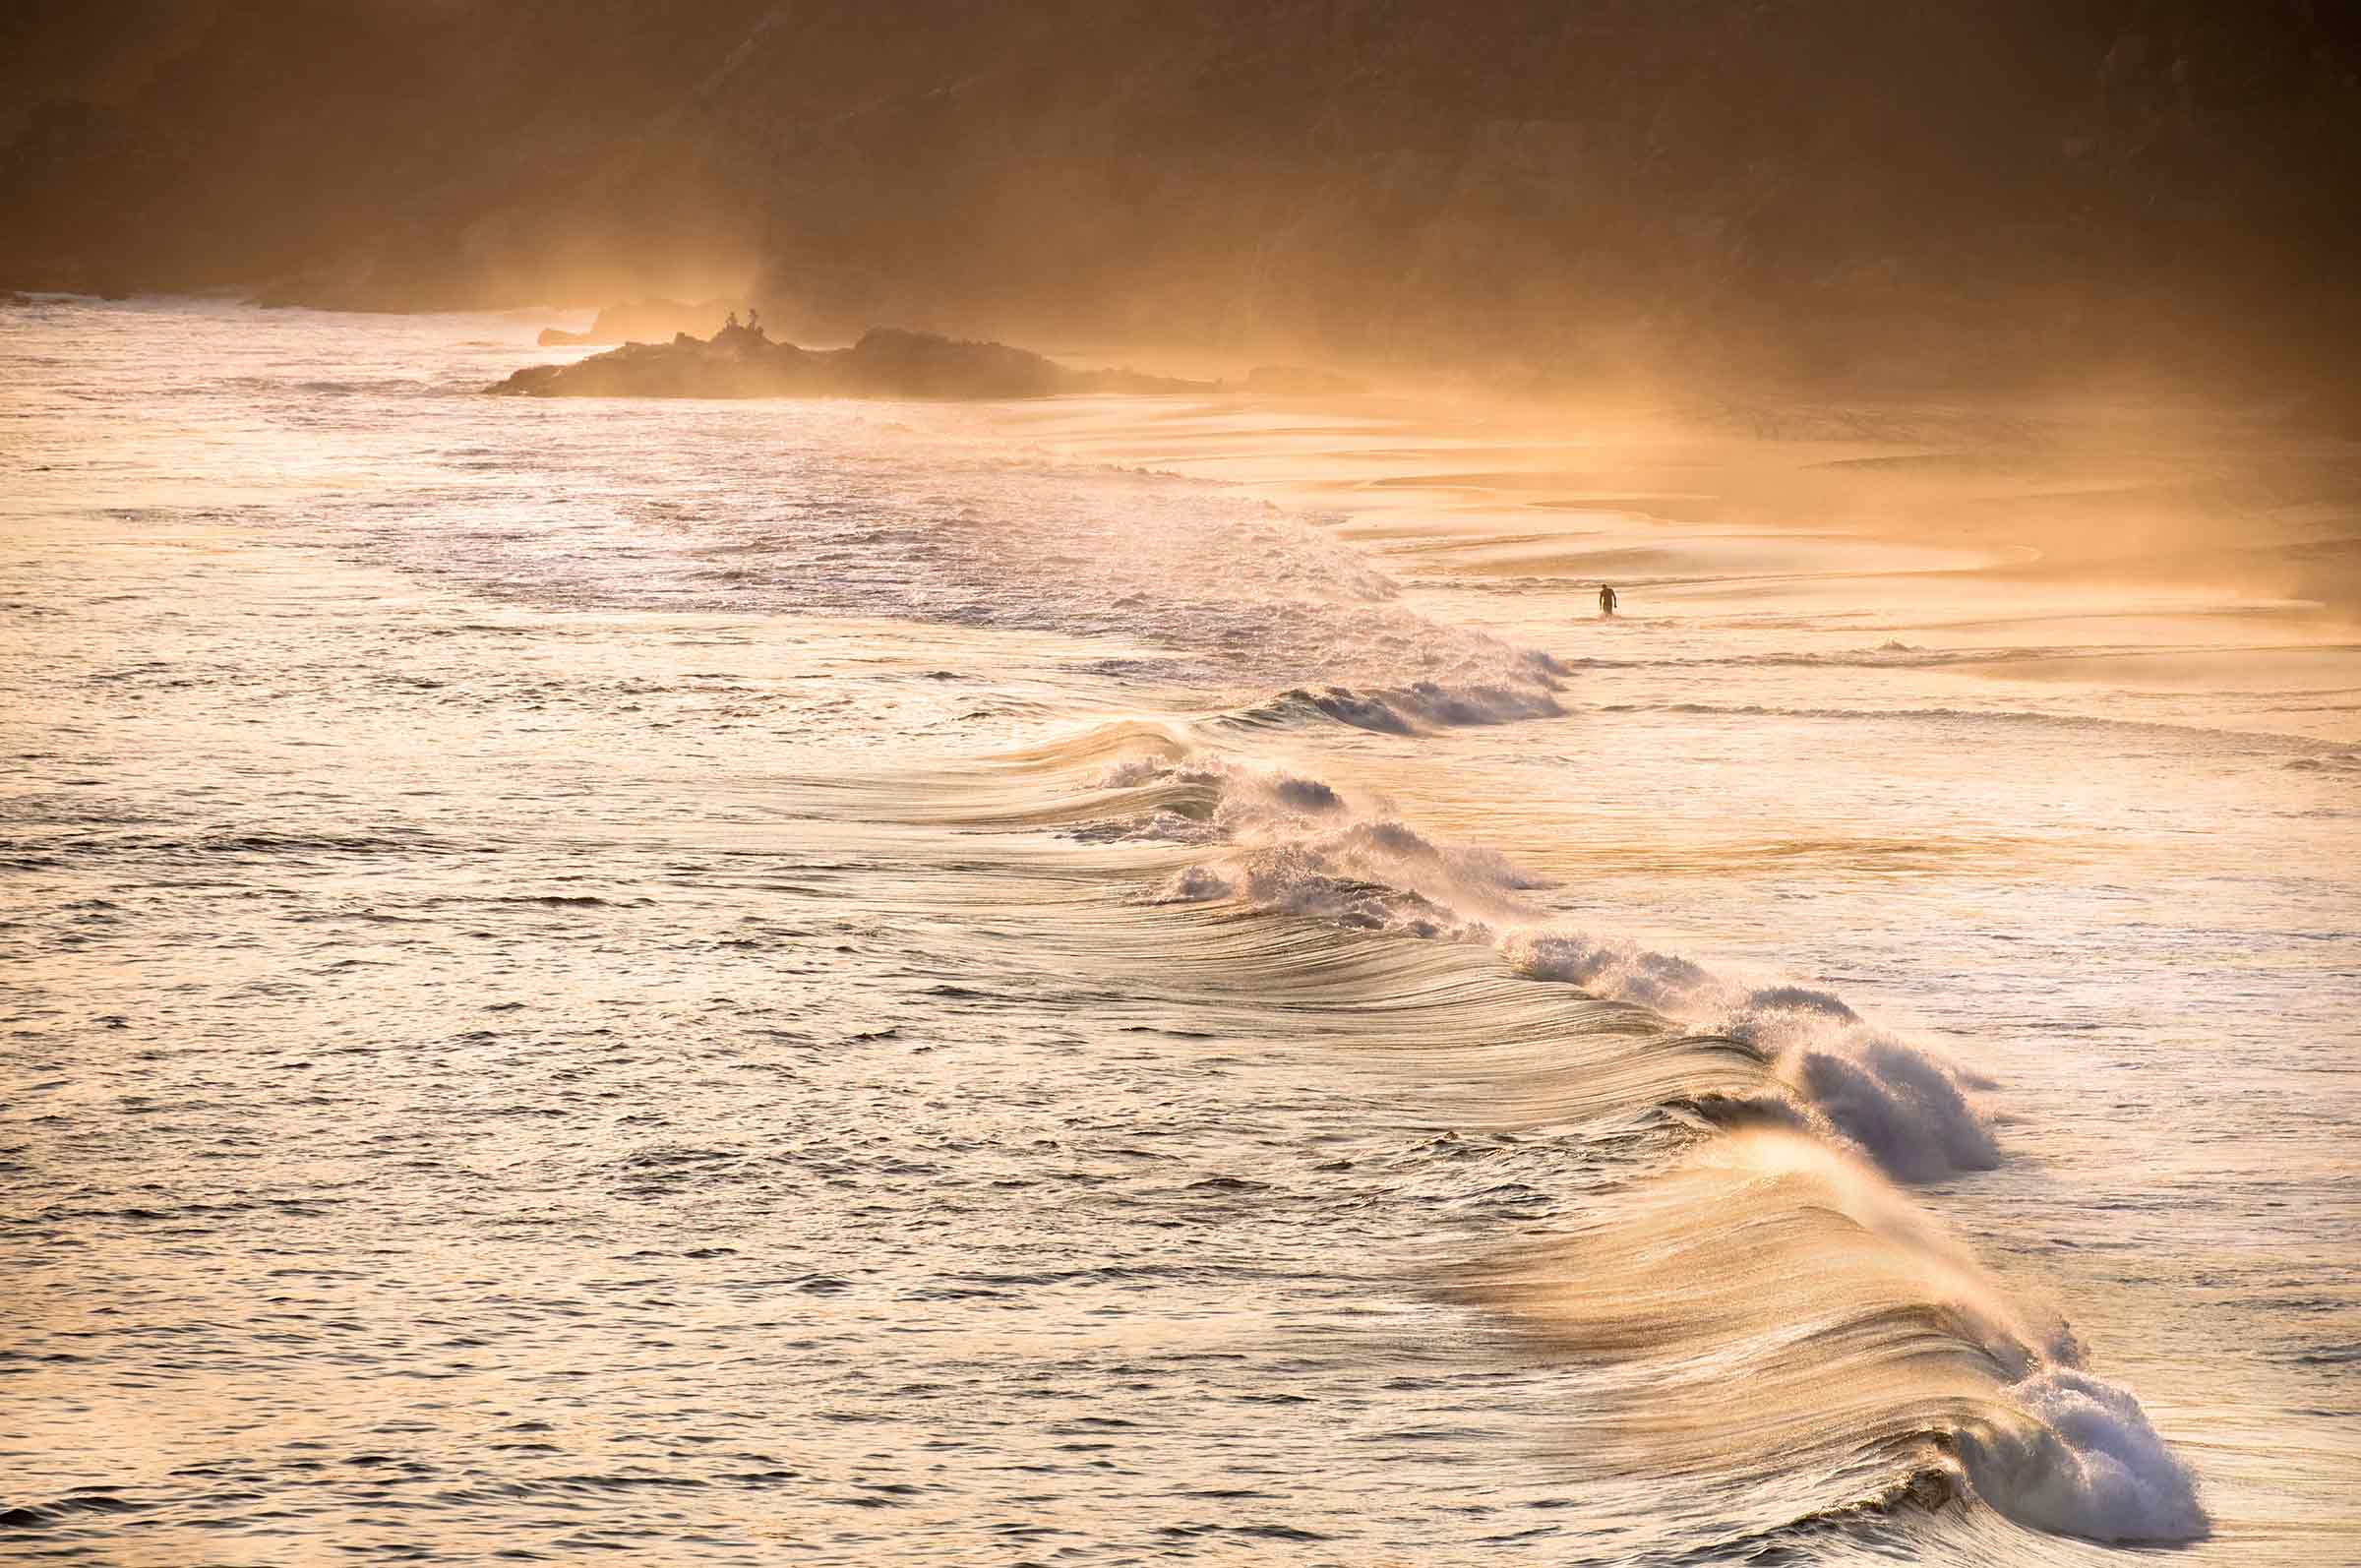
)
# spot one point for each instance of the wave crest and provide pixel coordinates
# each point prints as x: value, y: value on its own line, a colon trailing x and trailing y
x: 1887, y: 1344
x: 1893, y: 1348
x: 1286, y: 843
x: 1897, y: 1102
x: 2087, y: 1462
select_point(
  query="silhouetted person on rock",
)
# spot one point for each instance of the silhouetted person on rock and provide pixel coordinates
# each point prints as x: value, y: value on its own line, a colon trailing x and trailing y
x: 733, y: 323
x: 1606, y: 599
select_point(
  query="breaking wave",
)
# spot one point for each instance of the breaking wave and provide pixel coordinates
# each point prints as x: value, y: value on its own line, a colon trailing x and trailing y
x: 1774, y: 1125
x: 1885, y: 1347
x: 1907, y: 1110
x: 2086, y: 1462
x: 1423, y: 704
x: 1286, y: 844
x: 1888, y: 1357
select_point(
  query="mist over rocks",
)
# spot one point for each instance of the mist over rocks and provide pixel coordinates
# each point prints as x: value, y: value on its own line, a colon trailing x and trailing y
x: 1976, y: 191
x: 645, y: 321
x: 1302, y: 381
x: 888, y: 362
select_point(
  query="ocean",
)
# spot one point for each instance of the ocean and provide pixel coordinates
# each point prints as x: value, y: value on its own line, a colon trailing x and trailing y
x: 1148, y: 980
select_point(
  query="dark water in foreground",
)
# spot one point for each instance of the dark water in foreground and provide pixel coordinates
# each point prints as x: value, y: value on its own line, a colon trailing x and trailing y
x: 857, y: 982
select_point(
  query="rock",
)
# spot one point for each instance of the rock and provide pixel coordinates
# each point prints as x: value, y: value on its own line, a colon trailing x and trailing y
x: 888, y: 362
x: 892, y: 362
x: 535, y: 381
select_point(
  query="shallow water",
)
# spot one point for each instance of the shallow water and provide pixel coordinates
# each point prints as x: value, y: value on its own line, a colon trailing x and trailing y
x: 1117, y: 981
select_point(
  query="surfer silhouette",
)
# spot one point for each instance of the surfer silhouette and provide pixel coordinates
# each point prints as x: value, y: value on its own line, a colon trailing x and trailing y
x: 1606, y: 599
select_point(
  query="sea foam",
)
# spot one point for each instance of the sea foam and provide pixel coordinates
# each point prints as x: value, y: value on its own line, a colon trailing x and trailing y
x: 2087, y: 1462
x: 1852, y: 1106
x: 1296, y: 845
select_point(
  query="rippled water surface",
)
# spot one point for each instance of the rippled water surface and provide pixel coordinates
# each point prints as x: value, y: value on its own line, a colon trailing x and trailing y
x: 1135, y: 981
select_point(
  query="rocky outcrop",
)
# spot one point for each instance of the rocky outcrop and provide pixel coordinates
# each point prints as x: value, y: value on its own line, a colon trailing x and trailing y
x: 888, y: 362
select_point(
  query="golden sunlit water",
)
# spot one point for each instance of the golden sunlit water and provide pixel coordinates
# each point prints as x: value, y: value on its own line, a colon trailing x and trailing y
x: 1123, y: 979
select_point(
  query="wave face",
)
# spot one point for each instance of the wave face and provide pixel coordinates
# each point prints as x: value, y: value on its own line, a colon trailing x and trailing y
x: 1953, y: 1388
x: 1098, y: 981
x: 1292, y: 845
x: 1889, y: 1338
x: 1833, y: 1100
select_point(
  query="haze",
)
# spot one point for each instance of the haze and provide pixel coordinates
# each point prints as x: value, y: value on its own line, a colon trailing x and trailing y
x: 1363, y: 781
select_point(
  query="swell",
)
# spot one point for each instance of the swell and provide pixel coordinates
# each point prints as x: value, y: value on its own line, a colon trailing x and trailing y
x: 1884, y: 1347
x: 1419, y: 704
x: 1736, y: 1325
x: 1755, y: 1295
x: 1266, y: 840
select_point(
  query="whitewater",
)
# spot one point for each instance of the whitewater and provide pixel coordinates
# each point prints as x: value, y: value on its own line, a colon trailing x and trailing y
x: 1109, y: 980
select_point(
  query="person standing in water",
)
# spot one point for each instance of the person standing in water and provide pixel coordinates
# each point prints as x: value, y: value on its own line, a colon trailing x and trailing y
x: 1606, y: 599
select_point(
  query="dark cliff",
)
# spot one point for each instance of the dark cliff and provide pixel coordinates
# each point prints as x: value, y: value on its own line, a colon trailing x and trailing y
x: 1981, y: 188
x: 888, y: 362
